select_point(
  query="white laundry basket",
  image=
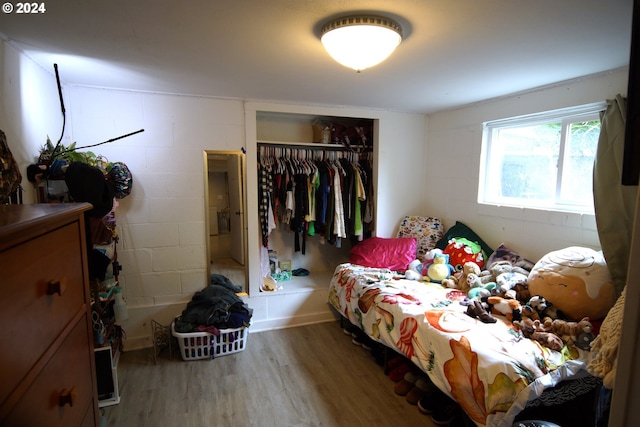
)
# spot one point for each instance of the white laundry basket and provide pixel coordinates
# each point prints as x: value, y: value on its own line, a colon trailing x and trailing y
x: 204, y: 345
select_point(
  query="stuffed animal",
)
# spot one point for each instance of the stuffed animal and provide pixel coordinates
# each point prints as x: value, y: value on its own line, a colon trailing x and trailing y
x: 479, y: 290
x: 460, y: 279
x: 430, y: 255
x: 534, y: 307
x: 461, y: 251
x: 533, y: 329
x: 414, y: 270
x: 477, y: 310
x: 548, y: 339
x: 510, y: 308
x: 507, y: 281
x: 473, y: 281
x: 450, y: 282
x: 525, y: 325
x: 521, y: 290
x: 439, y: 269
x: 551, y: 313
x: 584, y: 340
x: 506, y: 276
x: 499, y: 267
x: 576, y: 280
x: 568, y: 331
x: 529, y: 312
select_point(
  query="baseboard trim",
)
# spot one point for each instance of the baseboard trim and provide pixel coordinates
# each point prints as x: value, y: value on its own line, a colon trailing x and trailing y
x: 291, y: 322
x: 144, y: 342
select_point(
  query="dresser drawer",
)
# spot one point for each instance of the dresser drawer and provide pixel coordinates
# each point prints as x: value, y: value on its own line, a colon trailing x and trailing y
x: 68, y: 369
x: 33, y: 314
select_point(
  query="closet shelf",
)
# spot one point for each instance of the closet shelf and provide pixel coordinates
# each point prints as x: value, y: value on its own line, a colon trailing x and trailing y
x: 313, y: 145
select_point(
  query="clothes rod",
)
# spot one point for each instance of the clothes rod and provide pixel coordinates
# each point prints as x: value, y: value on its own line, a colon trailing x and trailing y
x: 315, y: 146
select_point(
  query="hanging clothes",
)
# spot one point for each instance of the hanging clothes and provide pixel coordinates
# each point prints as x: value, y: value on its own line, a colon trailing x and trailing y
x: 360, y: 196
x: 339, y: 229
x: 322, y: 194
x: 301, y: 210
x: 264, y: 203
x: 325, y: 193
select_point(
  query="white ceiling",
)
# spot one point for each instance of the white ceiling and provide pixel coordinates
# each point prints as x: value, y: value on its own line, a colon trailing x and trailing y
x: 455, y: 52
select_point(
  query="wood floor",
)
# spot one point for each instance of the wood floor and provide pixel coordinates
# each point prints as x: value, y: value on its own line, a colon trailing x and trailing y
x: 306, y: 376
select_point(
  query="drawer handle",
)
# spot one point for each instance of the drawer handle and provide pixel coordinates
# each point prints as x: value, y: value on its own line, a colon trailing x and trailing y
x: 68, y: 396
x: 55, y: 287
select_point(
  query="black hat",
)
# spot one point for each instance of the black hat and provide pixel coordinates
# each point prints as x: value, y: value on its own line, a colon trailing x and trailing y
x: 88, y: 184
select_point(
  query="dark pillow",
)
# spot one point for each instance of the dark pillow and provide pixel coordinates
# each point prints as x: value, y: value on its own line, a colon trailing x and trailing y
x: 392, y: 253
x: 461, y: 230
x: 504, y: 253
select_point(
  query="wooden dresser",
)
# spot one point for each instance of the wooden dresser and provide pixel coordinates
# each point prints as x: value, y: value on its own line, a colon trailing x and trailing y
x: 47, y: 367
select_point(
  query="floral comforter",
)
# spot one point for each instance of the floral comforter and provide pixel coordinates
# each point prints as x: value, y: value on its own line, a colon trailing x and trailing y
x: 490, y: 369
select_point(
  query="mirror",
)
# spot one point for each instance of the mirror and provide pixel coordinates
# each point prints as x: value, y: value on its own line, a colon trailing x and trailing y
x: 224, y: 215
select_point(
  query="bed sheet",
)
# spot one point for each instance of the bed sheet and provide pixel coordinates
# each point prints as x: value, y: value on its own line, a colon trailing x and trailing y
x: 490, y: 369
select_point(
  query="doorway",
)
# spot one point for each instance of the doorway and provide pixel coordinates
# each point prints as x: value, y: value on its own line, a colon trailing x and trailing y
x: 225, y: 214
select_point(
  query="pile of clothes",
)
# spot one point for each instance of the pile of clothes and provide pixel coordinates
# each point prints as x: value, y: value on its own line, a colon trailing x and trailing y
x: 215, y: 307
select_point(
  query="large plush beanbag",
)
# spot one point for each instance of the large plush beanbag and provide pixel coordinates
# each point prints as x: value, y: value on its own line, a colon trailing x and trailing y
x: 576, y: 281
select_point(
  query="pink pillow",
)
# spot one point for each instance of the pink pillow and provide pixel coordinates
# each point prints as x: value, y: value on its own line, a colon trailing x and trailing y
x: 392, y: 253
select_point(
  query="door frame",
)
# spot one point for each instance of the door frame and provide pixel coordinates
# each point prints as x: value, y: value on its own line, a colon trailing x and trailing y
x: 242, y: 213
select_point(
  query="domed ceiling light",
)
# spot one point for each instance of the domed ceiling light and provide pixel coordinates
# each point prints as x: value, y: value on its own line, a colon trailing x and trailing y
x: 360, y: 42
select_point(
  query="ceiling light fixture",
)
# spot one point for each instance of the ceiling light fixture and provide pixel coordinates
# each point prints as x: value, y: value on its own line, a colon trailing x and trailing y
x: 361, y: 41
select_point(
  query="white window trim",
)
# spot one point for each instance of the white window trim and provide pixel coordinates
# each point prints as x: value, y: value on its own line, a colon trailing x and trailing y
x: 564, y: 115
x: 548, y: 116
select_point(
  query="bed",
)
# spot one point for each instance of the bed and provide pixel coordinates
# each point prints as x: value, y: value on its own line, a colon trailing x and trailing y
x: 489, y: 369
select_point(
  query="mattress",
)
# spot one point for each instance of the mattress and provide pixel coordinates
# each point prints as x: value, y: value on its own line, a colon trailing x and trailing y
x: 490, y: 369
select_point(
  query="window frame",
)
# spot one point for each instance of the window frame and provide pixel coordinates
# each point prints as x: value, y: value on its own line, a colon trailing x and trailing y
x: 564, y: 116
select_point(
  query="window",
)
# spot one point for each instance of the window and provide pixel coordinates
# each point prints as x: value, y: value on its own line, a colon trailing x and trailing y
x: 541, y: 161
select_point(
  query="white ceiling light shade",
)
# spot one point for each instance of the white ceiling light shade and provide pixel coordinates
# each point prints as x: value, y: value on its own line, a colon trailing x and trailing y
x: 360, y: 42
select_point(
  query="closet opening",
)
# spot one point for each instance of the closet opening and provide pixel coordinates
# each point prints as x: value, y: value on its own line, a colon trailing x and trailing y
x: 301, y: 187
x: 225, y: 177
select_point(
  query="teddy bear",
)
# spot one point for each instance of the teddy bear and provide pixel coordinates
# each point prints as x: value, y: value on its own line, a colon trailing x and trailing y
x: 534, y: 330
x: 510, y: 308
x: 461, y: 280
x: 568, y: 331
x: 439, y: 269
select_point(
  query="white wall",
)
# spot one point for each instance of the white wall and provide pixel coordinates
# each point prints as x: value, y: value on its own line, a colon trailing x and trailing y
x: 452, y: 168
x: 30, y: 109
x: 161, y: 224
x: 401, y: 170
